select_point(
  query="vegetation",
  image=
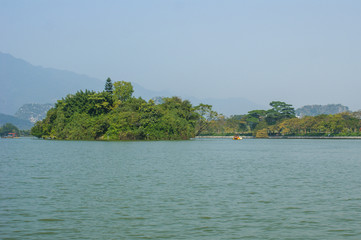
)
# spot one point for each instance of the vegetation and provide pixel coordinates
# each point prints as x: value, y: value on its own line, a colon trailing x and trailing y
x: 262, y: 133
x: 280, y: 120
x: 341, y: 124
x: 250, y: 123
x: 9, y: 128
x: 115, y: 115
x: 108, y: 86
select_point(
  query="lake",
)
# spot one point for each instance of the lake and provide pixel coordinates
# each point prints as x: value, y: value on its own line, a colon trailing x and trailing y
x: 197, y: 189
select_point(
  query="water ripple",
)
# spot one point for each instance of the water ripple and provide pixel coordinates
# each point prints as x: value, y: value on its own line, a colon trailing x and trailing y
x: 258, y: 189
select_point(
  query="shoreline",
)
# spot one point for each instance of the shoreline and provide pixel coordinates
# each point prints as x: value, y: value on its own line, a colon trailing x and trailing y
x: 281, y: 137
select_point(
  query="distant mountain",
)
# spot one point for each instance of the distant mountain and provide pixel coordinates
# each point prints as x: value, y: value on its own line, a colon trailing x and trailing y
x: 225, y: 106
x: 147, y: 94
x: 22, y: 82
x: 229, y: 106
x: 26, y: 115
x: 20, y: 123
x: 314, y: 110
x: 33, y: 112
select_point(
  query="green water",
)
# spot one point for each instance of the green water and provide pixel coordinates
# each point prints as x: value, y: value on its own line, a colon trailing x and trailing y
x: 198, y: 189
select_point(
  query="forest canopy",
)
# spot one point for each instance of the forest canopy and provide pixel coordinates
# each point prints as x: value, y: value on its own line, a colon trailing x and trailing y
x: 281, y: 121
x: 8, y: 128
x: 115, y: 114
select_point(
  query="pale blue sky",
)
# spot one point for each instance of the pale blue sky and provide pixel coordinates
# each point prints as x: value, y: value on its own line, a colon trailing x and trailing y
x: 302, y: 52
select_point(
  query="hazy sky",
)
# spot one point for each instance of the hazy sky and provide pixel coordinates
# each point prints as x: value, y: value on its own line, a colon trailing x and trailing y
x: 302, y: 52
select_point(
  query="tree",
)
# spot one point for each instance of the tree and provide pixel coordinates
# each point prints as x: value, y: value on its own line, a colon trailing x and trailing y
x: 108, y: 86
x: 286, y: 110
x: 357, y: 114
x: 118, y: 116
x: 254, y: 117
x: 262, y: 125
x: 262, y: 133
x: 279, y: 111
x: 238, y: 122
x: 122, y: 90
x: 9, y: 128
x: 206, y: 115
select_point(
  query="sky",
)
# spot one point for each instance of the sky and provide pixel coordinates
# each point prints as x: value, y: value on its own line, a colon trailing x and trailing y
x: 301, y: 52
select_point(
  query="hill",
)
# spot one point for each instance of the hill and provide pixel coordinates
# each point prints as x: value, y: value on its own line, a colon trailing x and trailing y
x: 23, y: 83
x: 228, y: 106
x: 20, y: 123
x: 33, y: 112
x: 314, y: 110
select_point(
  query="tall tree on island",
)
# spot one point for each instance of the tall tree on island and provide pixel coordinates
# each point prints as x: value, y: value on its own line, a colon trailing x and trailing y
x: 279, y: 111
x: 205, y: 116
x: 108, y: 86
x: 123, y: 91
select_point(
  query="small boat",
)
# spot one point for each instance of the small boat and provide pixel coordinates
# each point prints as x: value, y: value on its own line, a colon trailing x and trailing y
x: 11, y: 135
x: 237, y: 137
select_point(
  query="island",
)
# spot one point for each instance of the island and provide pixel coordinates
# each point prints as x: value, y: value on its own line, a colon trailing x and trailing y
x: 114, y: 114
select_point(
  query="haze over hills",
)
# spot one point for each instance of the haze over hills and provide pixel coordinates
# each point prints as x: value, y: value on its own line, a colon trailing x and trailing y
x: 20, y: 123
x: 33, y: 112
x: 24, y: 83
x: 314, y: 110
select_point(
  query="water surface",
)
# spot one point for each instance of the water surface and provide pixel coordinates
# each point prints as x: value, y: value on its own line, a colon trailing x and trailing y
x: 197, y: 189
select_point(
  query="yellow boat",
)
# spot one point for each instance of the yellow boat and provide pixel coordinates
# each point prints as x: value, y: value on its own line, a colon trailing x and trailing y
x: 237, y: 137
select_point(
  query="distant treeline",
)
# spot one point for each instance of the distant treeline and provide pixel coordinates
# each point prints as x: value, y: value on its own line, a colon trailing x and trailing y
x: 20, y: 123
x: 115, y: 114
x: 7, y: 128
x: 280, y: 120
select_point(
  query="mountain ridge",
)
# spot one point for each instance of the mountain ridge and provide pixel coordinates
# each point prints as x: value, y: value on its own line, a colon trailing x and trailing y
x: 25, y: 83
x: 20, y: 123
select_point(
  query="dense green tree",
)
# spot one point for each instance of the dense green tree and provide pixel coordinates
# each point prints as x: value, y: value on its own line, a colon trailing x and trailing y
x: 260, y: 126
x: 254, y: 117
x: 321, y: 125
x: 343, y: 124
x: 9, y: 128
x: 108, y: 86
x: 122, y: 90
x: 88, y: 102
x: 37, y: 130
x: 262, y: 133
x: 89, y: 115
x: 205, y: 116
x: 279, y: 111
x: 283, y: 108
x: 116, y: 115
x: 236, y: 124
